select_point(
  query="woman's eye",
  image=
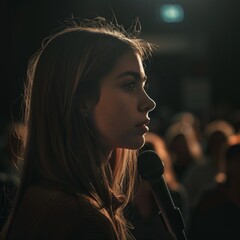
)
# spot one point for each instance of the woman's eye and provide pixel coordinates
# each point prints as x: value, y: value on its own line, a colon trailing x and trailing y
x: 131, y: 85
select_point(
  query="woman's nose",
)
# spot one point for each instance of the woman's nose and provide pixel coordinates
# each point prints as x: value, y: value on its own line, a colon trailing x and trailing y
x: 148, y: 104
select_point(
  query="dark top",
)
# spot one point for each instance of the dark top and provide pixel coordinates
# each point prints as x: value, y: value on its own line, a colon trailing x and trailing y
x: 49, y: 214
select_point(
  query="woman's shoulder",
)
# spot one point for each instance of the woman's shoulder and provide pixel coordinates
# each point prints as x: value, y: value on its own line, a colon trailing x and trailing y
x: 54, y: 213
x: 52, y: 200
x: 62, y: 204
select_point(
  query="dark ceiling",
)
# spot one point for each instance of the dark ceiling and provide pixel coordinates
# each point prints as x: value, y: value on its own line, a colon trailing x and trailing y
x: 197, y: 66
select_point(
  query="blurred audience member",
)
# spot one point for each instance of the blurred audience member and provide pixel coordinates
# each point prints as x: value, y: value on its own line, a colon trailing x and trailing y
x: 185, y: 148
x: 189, y: 118
x: 201, y: 176
x: 217, y: 214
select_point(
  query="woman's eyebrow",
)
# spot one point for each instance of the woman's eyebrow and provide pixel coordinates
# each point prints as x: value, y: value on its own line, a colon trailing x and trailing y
x: 136, y: 75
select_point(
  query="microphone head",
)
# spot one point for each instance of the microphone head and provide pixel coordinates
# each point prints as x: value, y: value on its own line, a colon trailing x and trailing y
x: 150, y: 166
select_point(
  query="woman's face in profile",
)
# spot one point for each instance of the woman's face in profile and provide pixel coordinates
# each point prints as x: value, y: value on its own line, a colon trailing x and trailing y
x: 121, y: 114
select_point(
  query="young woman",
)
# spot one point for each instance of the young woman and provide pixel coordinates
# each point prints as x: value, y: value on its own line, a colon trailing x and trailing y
x: 85, y: 103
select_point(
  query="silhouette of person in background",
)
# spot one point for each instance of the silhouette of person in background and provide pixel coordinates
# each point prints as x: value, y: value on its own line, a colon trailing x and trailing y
x: 216, y: 216
x: 184, y: 147
x: 68, y: 188
x: 200, y: 177
x: 189, y: 118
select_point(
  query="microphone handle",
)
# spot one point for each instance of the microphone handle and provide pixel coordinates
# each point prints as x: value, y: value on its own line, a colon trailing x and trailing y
x: 170, y: 213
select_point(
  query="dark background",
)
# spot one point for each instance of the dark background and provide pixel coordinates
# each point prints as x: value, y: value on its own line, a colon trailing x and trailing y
x: 196, y: 67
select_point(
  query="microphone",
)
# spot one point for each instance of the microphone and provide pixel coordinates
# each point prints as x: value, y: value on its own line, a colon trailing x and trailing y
x: 151, y: 169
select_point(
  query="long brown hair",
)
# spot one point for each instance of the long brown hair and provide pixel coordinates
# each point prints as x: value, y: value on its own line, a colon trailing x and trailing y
x: 61, y: 148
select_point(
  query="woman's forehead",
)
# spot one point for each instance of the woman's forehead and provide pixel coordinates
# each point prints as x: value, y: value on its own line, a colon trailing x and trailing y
x: 129, y: 64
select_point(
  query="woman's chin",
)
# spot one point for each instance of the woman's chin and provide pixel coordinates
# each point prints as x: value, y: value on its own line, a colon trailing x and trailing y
x: 139, y: 143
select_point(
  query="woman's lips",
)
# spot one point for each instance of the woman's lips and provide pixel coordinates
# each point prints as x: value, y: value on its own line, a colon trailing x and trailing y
x: 143, y: 127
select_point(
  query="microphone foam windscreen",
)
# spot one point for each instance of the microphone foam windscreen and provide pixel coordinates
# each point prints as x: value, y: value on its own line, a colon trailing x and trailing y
x: 150, y: 166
